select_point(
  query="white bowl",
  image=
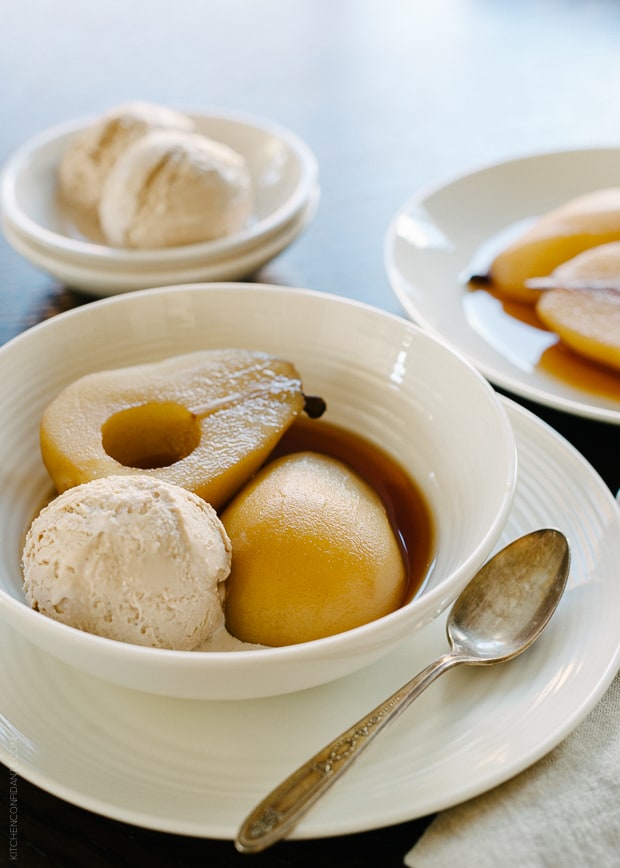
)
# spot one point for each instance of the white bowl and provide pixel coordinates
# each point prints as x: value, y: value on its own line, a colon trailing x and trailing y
x: 380, y: 375
x: 238, y: 264
x: 284, y: 176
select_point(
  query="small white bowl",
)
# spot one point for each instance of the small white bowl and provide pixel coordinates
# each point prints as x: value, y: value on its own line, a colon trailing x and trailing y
x: 380, y: 375
x: 284, y: 176
x: 238, y: 264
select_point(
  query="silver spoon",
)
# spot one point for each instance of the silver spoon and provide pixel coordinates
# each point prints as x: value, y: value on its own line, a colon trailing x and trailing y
x: 497, y: 616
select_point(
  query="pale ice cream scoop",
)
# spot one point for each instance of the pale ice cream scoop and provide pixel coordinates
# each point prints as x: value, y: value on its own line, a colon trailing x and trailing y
x: 172, y: 188
x: 93, y: 151
x: 130, y: 558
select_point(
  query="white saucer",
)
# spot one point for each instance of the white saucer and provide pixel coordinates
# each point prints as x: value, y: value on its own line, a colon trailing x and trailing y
x: 284, y: 174
x: 197, y: 768
x: 431, y: 248
x: 99, y: 281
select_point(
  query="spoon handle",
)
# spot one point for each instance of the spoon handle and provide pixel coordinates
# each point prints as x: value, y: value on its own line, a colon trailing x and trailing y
x: 278, y: 812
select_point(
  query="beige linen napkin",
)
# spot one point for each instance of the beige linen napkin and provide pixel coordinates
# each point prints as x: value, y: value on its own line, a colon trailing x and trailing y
x: 563, y: 812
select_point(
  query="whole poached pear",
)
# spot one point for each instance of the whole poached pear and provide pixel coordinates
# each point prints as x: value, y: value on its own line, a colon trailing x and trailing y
x: 557, y: 236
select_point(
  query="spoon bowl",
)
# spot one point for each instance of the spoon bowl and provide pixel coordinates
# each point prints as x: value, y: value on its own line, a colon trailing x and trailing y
x: 499, y: 614
x: 509, y: 601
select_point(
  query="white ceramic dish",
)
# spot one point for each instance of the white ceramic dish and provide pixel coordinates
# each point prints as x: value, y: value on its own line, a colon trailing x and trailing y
x: 112, y: 281
x: 434, y: 240
x: 283, y: 169
x: 196, y: 768
x: 379, y: 374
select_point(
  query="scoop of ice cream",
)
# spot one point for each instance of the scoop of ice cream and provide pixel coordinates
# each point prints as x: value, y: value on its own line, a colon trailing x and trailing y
x: 130, y: 558
x: 92, y: 152
x: 171, y: 188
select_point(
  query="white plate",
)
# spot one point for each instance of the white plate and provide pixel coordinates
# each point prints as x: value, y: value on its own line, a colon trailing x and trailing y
x: 100, y: 281
x: 434, y: 239
x: 197, y: 768
x: 283, y: 169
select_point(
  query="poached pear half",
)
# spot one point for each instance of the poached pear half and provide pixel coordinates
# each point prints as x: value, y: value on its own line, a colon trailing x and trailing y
x: 205, y: 420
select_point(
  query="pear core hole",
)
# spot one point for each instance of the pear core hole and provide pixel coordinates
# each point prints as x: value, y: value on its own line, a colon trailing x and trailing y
x: 151, y: 435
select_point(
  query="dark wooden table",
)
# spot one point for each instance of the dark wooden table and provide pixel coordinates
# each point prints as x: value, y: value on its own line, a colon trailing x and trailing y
x: 392, y: 96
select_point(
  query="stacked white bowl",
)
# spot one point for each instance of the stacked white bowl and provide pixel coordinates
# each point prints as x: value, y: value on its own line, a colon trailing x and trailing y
x: 284, y: 176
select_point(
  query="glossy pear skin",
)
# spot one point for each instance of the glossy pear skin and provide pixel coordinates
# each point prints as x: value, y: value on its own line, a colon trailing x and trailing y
x: 313, y: 553
x: 555, y: 237
x: 205, y: 420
